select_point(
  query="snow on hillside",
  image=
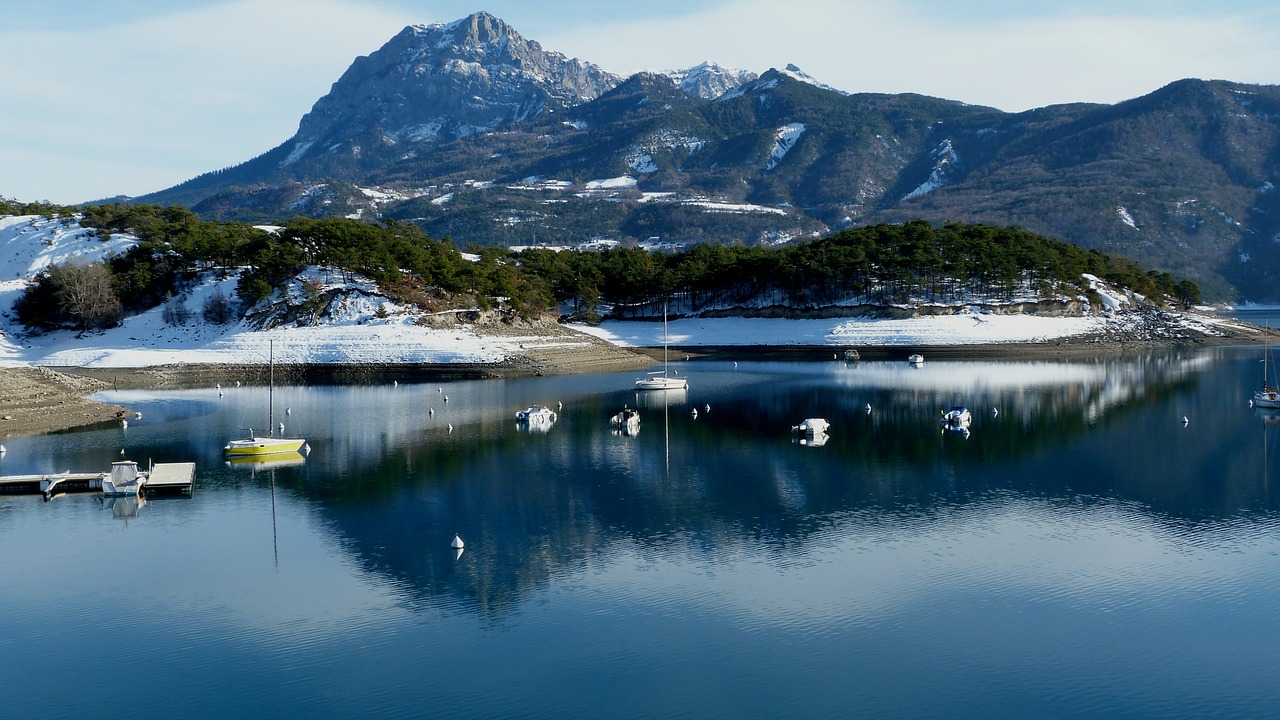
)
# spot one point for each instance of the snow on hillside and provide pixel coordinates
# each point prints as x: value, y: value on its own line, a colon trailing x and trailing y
x: 784, y: 138
x: 352, y: 333
x: 30, y: 243
x: 944, y: 159
x: 960, y: 329
x: 796, y: 73
x: 363, y: 326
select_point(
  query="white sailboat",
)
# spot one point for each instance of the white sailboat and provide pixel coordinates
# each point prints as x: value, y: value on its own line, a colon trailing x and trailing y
x: 258, y: 445
x: 662, y: 380
x: 1269, y: 395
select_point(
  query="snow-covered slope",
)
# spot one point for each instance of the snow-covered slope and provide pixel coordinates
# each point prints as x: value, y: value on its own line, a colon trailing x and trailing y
x: 361, y: 326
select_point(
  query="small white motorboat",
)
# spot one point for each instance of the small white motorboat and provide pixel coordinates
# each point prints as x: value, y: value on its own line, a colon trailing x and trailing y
x: 957, y: 416
x: 915, y: 359
x: 626, y: 421
x: 811, y: 426
x: 124, y: 479
x: 536, y: 415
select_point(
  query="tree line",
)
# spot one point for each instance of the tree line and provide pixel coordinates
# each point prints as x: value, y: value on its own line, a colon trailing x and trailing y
x: 877, y: 265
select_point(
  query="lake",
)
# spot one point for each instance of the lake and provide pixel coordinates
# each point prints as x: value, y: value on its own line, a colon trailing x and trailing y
x: 1081, y: 552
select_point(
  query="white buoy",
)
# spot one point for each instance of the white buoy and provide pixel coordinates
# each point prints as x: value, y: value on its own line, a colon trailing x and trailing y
x: 288, y: 411
x: 446, y: 398
x: 1185, y: 420
x: 559, y: 405
x: 218, y: 385
x: 735, y: 363
x: 219, y: 393
x: 431, y: 411
x: 694, y: 413
x: 450, y: 427
x: 457, y: 542
x: 306, y: 449
x: 868, y: 408
x: 281, y: 427
x: 237, y: 383
x: 395, y: 383
x: 439, y: 389
x: 708, y: 407
x: 995, y: 412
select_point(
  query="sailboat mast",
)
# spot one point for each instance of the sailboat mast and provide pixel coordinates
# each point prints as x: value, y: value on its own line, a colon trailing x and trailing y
x: 271, y: 388
x: 665, y: 362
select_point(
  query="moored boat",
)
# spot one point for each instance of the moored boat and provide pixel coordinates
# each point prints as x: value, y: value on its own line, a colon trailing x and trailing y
x: 270, y: 444
x: 536, y: 415
x: 662, y: 379
x: 1269, y: 395
x: 255, y: 446
x: 811, y: 426
x: 626, y: 421
x: 124, y: 479
x: 957, y: 416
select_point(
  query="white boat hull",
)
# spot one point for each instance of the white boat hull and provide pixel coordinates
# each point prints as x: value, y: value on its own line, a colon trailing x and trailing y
x: 537, y: 415
x: 662, y: 383
x: 812, y: 426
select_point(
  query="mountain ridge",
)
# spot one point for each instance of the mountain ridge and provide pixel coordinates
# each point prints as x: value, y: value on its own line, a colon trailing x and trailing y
x: 444, y: 124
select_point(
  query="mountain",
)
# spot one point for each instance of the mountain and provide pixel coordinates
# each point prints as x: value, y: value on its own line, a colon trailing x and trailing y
x: 709, y: 80
x: 428, y: 84
x: 473, y: 132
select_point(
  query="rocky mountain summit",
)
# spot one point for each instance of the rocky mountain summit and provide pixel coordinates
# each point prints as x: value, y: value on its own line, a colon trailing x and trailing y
x: 442, y: 82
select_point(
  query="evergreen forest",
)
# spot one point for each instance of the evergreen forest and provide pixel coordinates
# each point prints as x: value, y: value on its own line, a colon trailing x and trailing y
x: 879, y: 265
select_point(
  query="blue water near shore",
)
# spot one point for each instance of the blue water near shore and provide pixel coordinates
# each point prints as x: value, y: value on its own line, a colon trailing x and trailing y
x: 1081, y: 553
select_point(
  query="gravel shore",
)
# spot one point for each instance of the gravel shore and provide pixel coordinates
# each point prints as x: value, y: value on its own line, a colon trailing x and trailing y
x: 41, y: 400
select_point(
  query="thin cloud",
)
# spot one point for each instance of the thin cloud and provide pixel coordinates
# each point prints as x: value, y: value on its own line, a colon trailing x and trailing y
x: 1013, y: 64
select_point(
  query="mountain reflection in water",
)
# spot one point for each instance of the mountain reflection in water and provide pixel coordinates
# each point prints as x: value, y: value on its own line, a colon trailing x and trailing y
x: 1077, y: 536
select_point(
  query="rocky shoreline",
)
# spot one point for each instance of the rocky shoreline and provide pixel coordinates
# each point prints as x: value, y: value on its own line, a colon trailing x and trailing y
x: 41, y: 400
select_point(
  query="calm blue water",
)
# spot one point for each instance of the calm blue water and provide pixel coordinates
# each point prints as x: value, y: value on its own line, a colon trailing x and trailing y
x: 1081, y: 554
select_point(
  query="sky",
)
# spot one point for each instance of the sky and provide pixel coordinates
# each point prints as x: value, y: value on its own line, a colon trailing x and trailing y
x: 125, y: 97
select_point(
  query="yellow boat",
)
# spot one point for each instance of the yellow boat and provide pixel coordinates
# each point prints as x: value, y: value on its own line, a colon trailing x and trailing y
x: 255, y: 446
x: 262, y: 446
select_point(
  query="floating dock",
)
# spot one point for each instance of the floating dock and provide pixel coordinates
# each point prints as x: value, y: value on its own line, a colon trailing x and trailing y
x: 169, y: 478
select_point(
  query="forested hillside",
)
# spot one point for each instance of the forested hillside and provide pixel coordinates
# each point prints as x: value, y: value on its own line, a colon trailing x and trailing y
x: 884, y: 266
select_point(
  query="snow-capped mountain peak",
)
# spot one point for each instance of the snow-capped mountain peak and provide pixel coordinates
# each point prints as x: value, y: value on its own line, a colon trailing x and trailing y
x: 709, y: 79
x: 796, y: 73
x: 440, y: 82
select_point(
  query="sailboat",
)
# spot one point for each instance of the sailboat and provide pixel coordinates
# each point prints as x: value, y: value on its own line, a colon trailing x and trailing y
x: 257, y: 445
x: 662, y: 380
x: 1269, y: 395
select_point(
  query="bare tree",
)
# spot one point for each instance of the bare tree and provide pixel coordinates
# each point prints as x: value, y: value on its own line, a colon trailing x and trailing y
x: 85, y: 293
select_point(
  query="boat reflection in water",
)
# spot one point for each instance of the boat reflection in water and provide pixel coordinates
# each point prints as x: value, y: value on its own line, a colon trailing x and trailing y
x: 814, y: 440
x: 124, y: 507
x: 267, y: 462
